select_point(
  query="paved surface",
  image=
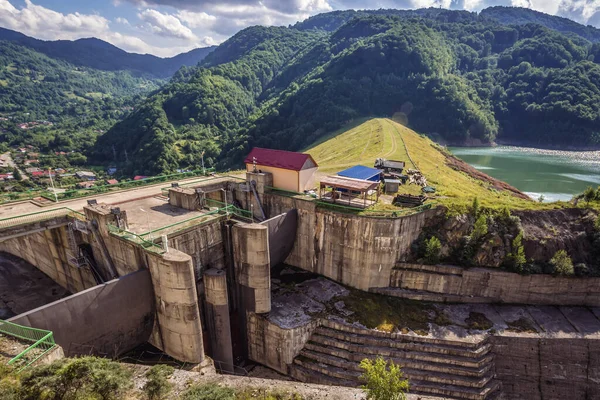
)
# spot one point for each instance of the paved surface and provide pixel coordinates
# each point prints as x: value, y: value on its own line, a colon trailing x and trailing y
x: 14, y: 209
x: 6, y: 157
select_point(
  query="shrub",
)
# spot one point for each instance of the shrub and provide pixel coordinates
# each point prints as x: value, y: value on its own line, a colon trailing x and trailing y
x: 589, y: 194
x: 76, y: 378
x: 158, y: 386
x: 561, y: 263
x: 433, y: 248
x: 597, y: 223
x: 581, y: 270
x: 480, y: 228
x: 210, y: 391
x: 475, y: 208
x: 516, y: 259
x: 383, y: 380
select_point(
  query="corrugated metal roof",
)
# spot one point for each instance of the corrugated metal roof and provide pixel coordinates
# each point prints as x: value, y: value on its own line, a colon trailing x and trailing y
x: 360, y: 185
x: 278, y: 158
x: 361, y: 172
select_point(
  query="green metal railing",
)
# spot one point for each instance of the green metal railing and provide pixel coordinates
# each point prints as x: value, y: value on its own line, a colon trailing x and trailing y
x: 135, y: 238
x: 39, y: 216
x: 42, y: 342
x: 77, y: 193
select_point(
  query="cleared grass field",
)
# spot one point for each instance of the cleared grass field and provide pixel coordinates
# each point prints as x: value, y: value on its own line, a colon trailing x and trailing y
x: 363, y: 142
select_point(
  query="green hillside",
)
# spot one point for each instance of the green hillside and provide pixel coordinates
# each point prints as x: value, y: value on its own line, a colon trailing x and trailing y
x: 458, y: 77
x: 362, y: 143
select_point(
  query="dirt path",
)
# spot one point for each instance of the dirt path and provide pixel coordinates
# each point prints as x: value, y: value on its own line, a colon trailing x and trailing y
x: 10, y: 162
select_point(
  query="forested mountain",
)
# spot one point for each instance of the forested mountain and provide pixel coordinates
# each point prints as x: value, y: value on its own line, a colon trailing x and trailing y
x: 98, y: 54
x: 75, y: 102
x: 523, y: 16
x: 458, y: 76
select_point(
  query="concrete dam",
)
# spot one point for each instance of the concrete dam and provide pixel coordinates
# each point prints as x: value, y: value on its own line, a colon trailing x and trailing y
x: 191, y: 268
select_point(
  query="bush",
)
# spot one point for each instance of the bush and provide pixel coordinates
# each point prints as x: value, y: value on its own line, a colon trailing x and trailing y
x: 76, y: 378
x: 561, y: 264
x: 589, y: 194
x: 383, y: 380
x: 210, y: 391
x: 433, y: 248
x: 516, y: 260
x: 581, y: 270
x: 480, y: 228
x: 158, y: 386
x: 475, y: 208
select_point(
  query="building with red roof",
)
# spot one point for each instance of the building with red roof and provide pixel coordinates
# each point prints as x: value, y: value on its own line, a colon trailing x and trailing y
x: 291, y: 170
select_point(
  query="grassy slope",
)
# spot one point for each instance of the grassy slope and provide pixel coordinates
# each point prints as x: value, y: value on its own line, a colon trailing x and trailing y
x: 381, y: 137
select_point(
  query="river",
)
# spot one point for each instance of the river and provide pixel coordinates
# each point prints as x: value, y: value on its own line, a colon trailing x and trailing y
x: 555, y: 174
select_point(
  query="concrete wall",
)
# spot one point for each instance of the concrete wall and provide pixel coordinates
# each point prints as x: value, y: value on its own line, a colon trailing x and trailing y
x: 282, y: 236
x: 203, y: 243
x: 548, y: 369
x: 275, y: 347
x: 49, y: 251
x: 494, y: 286
x: 355, y: 250
x: 108, y: 319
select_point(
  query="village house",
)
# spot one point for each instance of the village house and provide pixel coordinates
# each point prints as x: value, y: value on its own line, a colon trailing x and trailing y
x: 291, y: 171
x: 86, y: 175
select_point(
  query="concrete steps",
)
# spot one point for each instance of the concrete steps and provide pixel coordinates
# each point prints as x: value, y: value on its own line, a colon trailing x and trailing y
x: 455, y: 369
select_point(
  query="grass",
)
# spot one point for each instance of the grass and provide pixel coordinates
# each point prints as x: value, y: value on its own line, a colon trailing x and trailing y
x: 388, y: 313
x: 363, y: 141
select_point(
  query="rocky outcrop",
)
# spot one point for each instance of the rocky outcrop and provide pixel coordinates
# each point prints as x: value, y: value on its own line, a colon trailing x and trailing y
x: 544, y: 233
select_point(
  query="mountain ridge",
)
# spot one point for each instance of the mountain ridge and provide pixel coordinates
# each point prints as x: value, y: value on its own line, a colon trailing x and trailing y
x: 84, y: 52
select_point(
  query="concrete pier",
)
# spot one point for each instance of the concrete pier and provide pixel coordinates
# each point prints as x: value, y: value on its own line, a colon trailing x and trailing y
x: 179, y: 330
x: 217, y: 318
x: 252, y: 266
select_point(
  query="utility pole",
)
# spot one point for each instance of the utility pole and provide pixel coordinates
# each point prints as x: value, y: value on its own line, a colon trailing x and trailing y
x: 52, y: 183
x: 203, y: 169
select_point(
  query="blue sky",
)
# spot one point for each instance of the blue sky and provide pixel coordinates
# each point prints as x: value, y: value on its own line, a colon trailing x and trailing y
x: 169, y: 27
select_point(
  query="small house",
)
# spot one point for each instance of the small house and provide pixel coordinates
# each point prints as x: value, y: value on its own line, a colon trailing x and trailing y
x: 139, y: 177
x: 85, y: 185
x: 112, y: 182
x: 85, y: 175
x: 291, y: 170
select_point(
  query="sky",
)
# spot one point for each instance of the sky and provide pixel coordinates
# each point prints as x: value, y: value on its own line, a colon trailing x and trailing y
x: 169, y: 27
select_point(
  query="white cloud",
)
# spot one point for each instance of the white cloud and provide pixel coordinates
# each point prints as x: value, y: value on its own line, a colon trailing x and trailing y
x: 196, y: 19
x: 123, y: 21
x: 166, y: 25
x: 44, y: 23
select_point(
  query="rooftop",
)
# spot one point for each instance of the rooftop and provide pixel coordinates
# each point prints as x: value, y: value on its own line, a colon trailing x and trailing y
x: 360, y: 172
x: 341, y: 182
x: 278, y: 158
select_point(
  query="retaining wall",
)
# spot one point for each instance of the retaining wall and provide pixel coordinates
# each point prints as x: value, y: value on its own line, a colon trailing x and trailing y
x: 548, y: 369
x: 108, y: 319
x: 274, y: 346
x: 481, y: 285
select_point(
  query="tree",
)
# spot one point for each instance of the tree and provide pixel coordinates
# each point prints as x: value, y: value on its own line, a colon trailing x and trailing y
x: 383, y: 380
x: 480, y: 228
x: 562, y: 263
x: 516, y: 259
x: 475, y: 208
x: 433, y: 248
x: 589, y: 194
x: 17, y: 175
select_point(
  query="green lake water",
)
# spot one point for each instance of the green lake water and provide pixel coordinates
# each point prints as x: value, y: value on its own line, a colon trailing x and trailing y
x: 557, y: 175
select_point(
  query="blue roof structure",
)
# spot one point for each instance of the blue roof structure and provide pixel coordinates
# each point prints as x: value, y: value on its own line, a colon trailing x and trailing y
x: 361, y: 172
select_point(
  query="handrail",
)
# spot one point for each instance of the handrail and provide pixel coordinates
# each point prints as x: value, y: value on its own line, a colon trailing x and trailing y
x: 42, y: 340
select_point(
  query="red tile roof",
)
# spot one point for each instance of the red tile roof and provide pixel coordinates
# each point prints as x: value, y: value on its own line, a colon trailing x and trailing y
x: 278, y: 158
x: 112, y: 181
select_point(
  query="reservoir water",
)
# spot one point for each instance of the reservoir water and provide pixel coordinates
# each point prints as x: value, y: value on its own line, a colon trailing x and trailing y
x: 555, y: 174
